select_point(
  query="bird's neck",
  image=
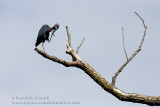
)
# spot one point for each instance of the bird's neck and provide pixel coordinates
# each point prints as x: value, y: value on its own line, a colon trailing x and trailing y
x: 50, y: 29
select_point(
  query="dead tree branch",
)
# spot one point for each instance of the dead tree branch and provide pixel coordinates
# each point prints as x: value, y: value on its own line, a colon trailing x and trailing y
x: 123, y: 44
x: 133, y: 55
x: 69, y: 36
x: 80, y: 45
x: 110, y: 88
x: 55, y: 59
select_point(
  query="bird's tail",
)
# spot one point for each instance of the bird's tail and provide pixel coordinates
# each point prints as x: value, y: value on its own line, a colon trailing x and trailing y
x: 36, y: 44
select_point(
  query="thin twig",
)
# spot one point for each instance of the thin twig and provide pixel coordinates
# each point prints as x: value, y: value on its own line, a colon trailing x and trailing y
x: 144, y: 31
x: 123, y: 44
x: 80, y: 45
x: 141, y: 19
x: 133, y: 55
x: 69, y: 36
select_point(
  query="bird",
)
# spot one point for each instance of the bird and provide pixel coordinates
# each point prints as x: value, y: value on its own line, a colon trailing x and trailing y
x: 44, y: 34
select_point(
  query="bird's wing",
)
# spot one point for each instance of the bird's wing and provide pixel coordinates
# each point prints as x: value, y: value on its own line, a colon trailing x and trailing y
x: 39, y: 40
x: 42, y: 31
x: 42, y: 34
x: 47, y: 36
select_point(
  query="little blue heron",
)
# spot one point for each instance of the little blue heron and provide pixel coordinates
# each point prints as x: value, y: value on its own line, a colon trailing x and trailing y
x: 44, y: 34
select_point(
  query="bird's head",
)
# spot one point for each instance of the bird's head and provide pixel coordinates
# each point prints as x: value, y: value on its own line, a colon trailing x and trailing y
x: 56, y: 26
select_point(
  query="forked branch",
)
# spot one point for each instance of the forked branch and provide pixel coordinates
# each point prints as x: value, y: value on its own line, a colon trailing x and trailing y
x: 133, y: 55
x: 110, y: 88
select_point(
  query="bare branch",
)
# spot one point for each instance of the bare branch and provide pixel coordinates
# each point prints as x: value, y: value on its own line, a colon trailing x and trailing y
x: 69, y: 36
x: 121, y: 68
x: 123, y: 44
x: 144, y: 30
x: 80, y: 45
x: 133, y: 55
x: 55, y: 59
x: 69, y: 50
x: 141, y: 19
x: 110, y: 88
x: 130, y: 97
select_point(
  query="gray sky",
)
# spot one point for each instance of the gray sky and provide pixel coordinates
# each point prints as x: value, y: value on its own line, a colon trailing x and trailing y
x: 26, y: 73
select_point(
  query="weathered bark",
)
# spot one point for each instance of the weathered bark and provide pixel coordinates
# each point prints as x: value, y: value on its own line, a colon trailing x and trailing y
x: 109, y: 87
x: 130, y: 97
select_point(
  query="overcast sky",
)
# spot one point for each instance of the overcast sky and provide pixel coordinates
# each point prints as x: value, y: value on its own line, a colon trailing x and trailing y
x: 23, y: 72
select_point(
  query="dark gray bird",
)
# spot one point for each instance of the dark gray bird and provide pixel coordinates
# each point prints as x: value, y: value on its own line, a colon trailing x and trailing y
x: 44, y: 34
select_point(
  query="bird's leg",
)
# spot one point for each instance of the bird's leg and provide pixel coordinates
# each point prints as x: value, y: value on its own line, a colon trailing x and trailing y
x: 43, y: 47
